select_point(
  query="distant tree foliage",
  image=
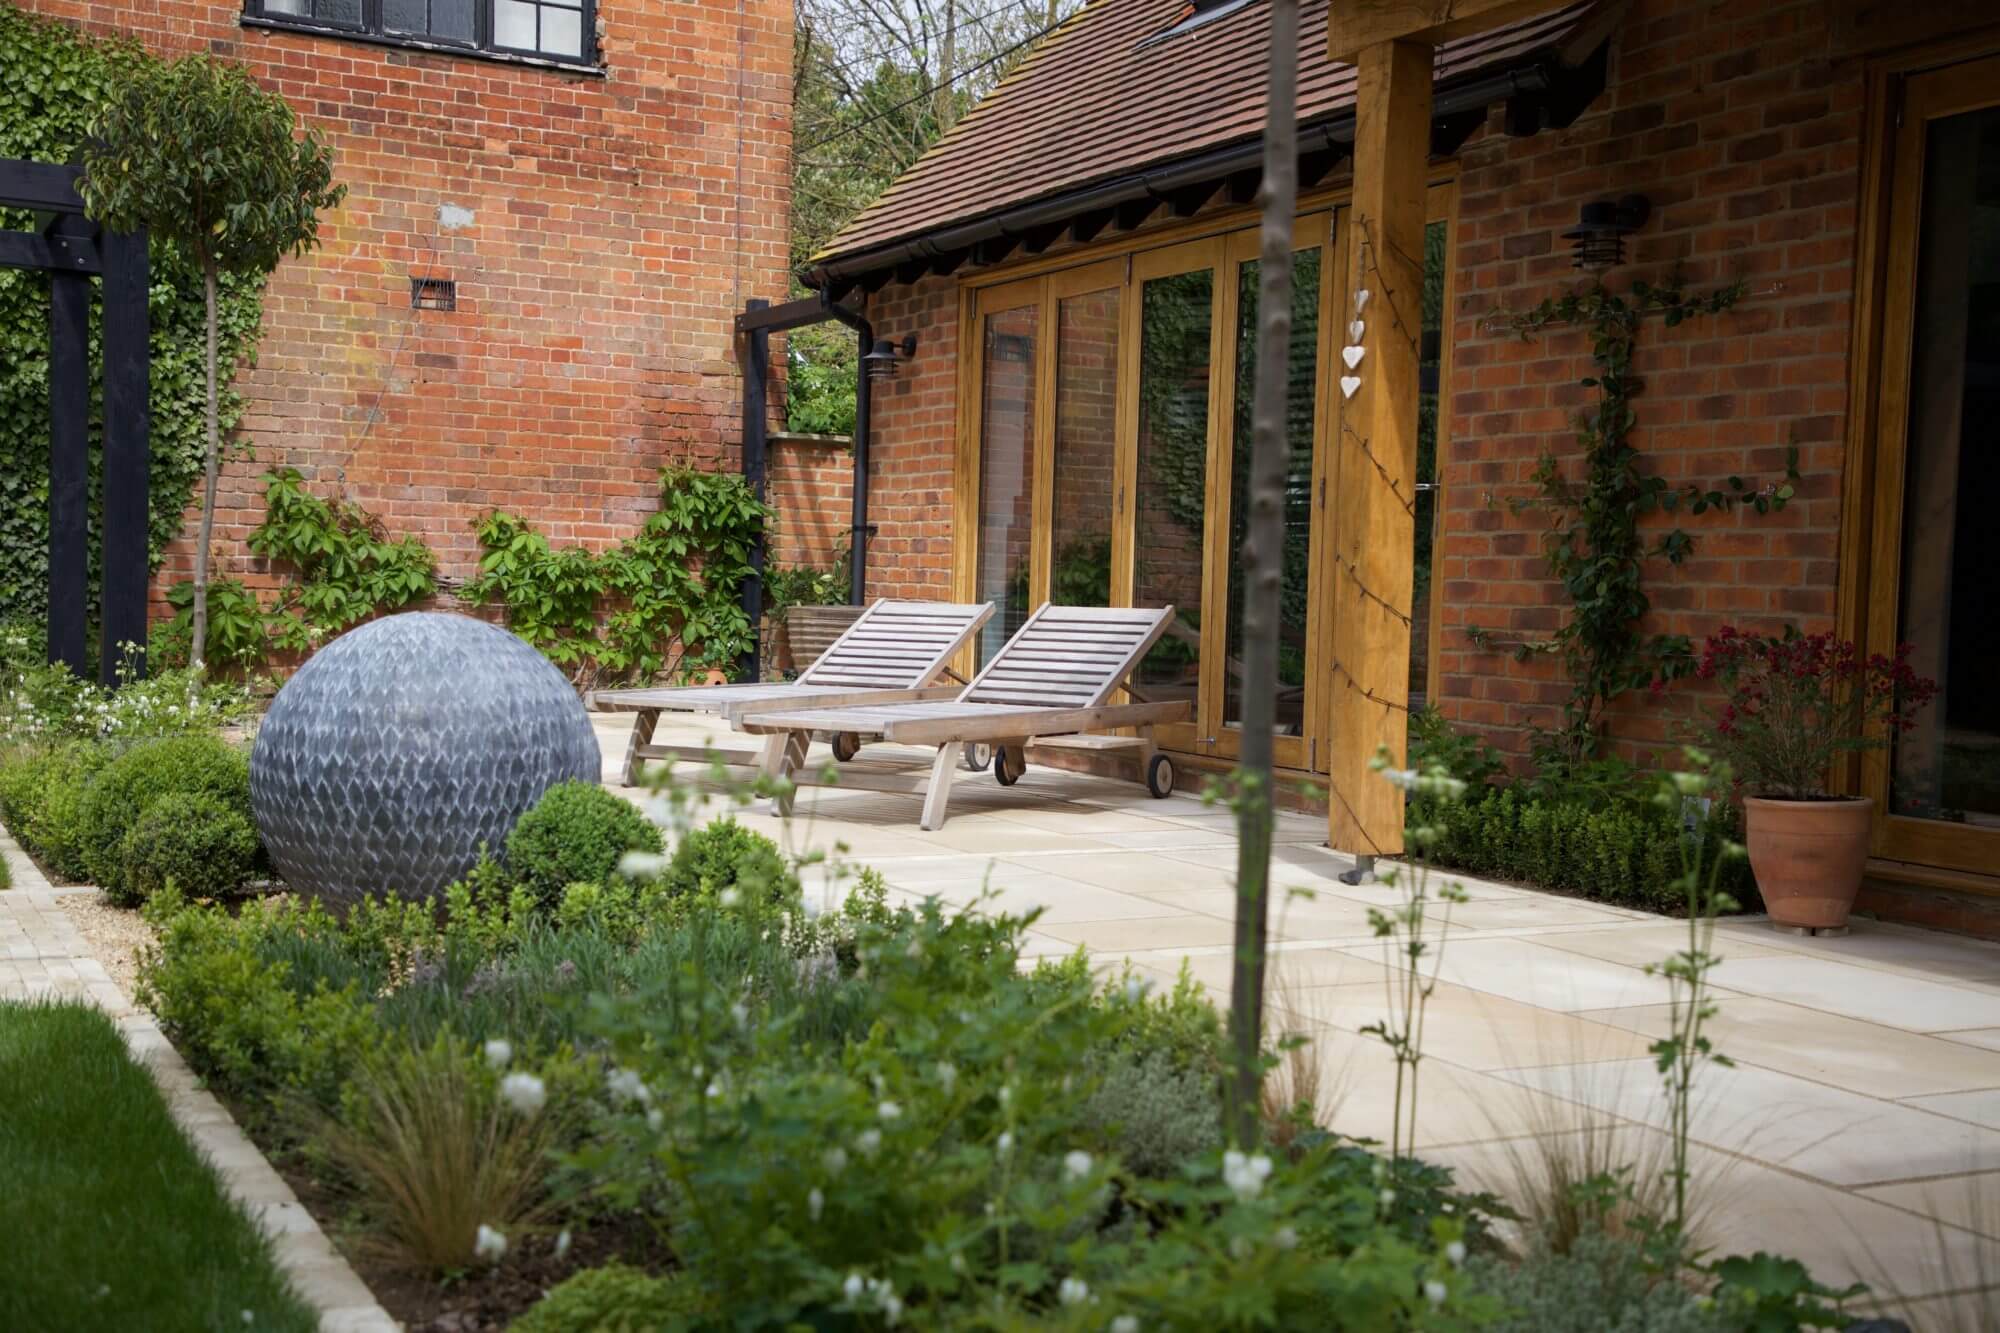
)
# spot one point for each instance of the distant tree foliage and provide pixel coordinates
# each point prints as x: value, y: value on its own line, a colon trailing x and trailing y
x: 876, y: 83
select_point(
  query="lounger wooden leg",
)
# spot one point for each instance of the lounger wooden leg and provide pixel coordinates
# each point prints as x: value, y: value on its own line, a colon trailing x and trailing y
x: 642, y: 736
x: 791, y: 757
x: 943, y: 769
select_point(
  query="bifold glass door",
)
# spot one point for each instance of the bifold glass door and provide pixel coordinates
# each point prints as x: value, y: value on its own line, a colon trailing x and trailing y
x: 1937, y: 479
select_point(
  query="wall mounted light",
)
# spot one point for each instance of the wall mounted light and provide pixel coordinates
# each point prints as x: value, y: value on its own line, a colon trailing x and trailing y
x: 882, y: 360
x: 1599, y: 239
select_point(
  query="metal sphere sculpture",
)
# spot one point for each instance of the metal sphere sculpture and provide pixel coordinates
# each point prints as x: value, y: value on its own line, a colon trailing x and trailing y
x: 404, y: 745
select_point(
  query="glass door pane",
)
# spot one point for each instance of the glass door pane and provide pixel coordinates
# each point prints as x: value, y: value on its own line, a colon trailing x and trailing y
x: 1948, y: 767
x: 1086, y: 442
x: 1295, y: 583
x: 1176, y: 318
x: 1430, y: 366
x: 1006, y: 470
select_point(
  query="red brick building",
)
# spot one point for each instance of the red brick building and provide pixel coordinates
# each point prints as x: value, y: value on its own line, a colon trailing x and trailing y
x: 604, y: 182
x: 1838, y: 157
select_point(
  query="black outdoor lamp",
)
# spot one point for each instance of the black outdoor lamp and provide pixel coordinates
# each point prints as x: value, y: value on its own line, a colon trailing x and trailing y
x: 881, y: 361
x: 1601, y: 229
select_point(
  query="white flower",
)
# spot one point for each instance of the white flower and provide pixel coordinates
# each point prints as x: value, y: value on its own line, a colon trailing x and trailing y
x: 524, y: 1092
x: 1388, y: 1198
x: 889, y: 1111
x: 729, y: 897
x: 641, y: 865
x: 655, y: 1118
x: 713, y: 1090
x: 1239, y: 1248
x: 834, y: 1160
x: 1136, y: 988
x: 947, y: 1075
x: 1076, y: 1164
x: 1125, y: 1323
x: 869, y: 1141
x: 625, y: 1085
x: 892, y: 1308
x: 1005, y: 1143
x: 1073, y: 1291
x: 249, y: 1316
x: 1434, y: 1292
x: 1006, y: 1093
x: 1285, y: 1239
x: 1455, y: 1252
x: 853, y: 1286
x: 815, y: 1203
x: 562, y: 1243
x: 958, y: 1264
x: 499, y: 1053
x: 741, y: 1013
x: 489, y: 1245
x: 1245, y: 1176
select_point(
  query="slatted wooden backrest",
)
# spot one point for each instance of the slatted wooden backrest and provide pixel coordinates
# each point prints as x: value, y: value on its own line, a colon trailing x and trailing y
x: 1069, y: 656
x: 897, y: 645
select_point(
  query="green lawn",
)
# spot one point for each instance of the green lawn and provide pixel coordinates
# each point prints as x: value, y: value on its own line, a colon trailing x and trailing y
x: 109, y: 1219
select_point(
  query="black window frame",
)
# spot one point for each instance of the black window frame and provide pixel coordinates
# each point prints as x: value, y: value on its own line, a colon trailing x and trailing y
x: 372, y: 29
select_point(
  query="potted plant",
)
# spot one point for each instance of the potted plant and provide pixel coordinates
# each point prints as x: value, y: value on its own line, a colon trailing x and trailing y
x: 1795, y: 703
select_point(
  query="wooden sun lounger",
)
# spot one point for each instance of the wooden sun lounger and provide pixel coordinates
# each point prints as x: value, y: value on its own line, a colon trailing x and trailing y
x: 895, y: 651
x: 1053, y: 678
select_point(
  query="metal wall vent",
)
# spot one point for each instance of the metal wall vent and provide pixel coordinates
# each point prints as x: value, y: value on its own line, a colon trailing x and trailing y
x: 433, y: 294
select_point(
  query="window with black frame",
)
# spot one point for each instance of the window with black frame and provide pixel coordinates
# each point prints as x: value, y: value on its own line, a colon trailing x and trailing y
x: 546, y: 29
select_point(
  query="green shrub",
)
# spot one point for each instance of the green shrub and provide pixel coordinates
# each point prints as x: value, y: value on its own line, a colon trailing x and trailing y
x: 1602, y: 1285
x: 194, y: 839
x: 724, y: 855
x: 614, y: 1299
x: 1155, y: 1115
x: 576, y: 833
x: 131, y: 783
x: 41, y: 801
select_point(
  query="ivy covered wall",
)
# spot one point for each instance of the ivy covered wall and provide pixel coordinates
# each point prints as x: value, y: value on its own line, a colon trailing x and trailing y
x: 51, y: 79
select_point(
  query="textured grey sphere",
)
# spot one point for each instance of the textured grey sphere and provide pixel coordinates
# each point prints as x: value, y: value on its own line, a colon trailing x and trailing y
x: 402, y: 746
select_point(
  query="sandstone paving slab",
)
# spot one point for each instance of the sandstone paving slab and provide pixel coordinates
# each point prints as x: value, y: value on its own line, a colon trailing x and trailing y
x: 1932, y: 954
x: 1123, y: 871
x: 1971, y: 1202
x: 1847, y: 1053
x: 1649, y: 940
x: 1145, y: 934
x: 1981, y: 1106
x: 1533, y: 973
x: 1893, y: 998
x: 1295, y: 968
x: 1473, y: 1029
x: 1808, y: 1128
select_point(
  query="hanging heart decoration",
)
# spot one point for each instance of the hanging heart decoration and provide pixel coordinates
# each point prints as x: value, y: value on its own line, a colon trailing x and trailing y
x: 1355, y: 328
x: 1361, y: 300
x: 1348, y: 385
x: 1352, y: 355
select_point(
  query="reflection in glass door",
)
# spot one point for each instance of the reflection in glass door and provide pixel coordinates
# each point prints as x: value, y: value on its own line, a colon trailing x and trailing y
x: 1938, y: 485
x: 1086, y: 447
x: 1170, y: 493
x: 1009, y: 352
x: 1295, y: 584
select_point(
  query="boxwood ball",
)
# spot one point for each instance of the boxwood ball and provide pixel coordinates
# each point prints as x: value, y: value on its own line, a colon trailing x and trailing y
x: 404, y: 745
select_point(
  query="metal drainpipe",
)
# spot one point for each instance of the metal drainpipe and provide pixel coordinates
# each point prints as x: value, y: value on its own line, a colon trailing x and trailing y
x: 864, y: 401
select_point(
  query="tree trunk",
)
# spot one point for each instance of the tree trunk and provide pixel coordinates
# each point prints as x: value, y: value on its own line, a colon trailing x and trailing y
x: 947, y: 102
x: 197, y: 651
x: 1263, y: 567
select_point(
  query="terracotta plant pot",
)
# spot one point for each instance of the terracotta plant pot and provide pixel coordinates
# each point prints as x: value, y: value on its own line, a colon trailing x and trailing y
x: 1807, y: 856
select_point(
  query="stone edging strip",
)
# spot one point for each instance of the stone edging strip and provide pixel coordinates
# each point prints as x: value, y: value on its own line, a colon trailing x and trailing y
x: 41, y: 953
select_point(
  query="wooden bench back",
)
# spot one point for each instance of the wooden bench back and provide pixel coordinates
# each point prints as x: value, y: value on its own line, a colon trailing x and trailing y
x: 1069, y: 656
x: 896, y: 645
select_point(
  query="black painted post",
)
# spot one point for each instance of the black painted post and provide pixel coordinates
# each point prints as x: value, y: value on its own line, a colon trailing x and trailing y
x: 756, y: 416
x: 69, y: 469
x: 127, y: 426
x: 864, y: 434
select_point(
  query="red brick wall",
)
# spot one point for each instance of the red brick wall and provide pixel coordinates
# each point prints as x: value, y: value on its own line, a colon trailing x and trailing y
x: 617, y: 223
x: 1747, y: 139
x: 810, y: 483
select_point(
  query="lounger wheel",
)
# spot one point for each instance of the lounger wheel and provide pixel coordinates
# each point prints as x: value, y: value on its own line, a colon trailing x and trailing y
x: 1160, y: 776
x: 1009, y: 763
x: 977, y: 757
x: 845, y: 745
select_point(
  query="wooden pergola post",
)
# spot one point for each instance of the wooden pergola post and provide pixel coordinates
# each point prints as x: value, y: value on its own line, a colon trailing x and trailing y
x: 1392, y: 44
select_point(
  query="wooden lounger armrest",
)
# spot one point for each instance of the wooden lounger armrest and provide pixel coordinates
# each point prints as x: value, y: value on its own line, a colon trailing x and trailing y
x: 861, y: 694
x: 1027, y: 723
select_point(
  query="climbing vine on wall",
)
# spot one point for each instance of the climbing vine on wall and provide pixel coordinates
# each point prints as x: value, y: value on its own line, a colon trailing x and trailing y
x: 664, y: 601
x: 52, y: 79
x: 1593, y: 541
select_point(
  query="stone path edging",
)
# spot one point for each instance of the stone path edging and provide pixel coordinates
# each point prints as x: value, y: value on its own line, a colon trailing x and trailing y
x: 42, y: 954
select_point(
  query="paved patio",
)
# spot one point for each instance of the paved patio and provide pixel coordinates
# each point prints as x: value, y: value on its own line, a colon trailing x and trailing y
x: 1860, y: 1130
